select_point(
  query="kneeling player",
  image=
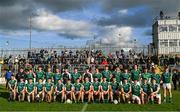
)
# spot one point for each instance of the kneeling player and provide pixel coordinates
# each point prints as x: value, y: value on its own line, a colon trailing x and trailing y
x: 96, y: 88
x: 126, y: 91
x: 30, y: 90
x: 78, y: 90
x: 39, y: 90
x: 21, y: 89
x: 155, y: 92
x: 114, y: 90
x: 48, y: 90
x: 59, y: 90
x: 136, y: 92
x: 146, y: 91
x: 87, y: 90
x: 69, y: 90
x: 104, y: 89
x: 12, y: 88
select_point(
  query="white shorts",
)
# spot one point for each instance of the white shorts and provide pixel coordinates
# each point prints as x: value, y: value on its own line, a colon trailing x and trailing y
x: 158, y: 96
x: 167, y: 85
x: 134, y: 97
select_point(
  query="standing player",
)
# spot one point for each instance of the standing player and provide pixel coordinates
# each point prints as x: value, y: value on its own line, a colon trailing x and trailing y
x: 126, y: 75
x: 75, y: 75
x: 107, y: 73
x: 40, y: 74
x: 96, y: 88
x: 136, y: 92
x: 49, y: 74
x: 39, y: 91
x: 146, y: 91
x: 166, y: 78
x: 104, y: 89
x: 57, y: 76
x: 30, y: 90
x: 48, y: 90
x: 155, y: 75
x: 114, y: 90
x: 69, y: 90
x: 135, y: 74
x: 88, y: 75
x: 87, y: 90
x: 66, y: 76
x: 126, y: 91
x: 98, y: 75
x: 59, y: 90
x: 155, y: 91
x: 117, y: 74
x: 21, y: 89
x: 146, y: 75
x: 78, y: 90
x: 12, y: 84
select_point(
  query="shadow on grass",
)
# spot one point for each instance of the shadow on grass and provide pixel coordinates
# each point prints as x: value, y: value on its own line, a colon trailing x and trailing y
x: 4, y: 95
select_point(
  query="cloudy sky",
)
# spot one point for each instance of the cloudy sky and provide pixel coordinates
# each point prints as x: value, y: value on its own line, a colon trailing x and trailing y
x: 74, y: 22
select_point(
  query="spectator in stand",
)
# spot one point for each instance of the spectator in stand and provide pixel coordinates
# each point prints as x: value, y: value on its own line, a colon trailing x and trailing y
x: 105, y: 62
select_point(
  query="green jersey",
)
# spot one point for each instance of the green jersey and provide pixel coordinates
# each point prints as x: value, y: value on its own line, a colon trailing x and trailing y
x: 155, y: 87
x: 125, y: 76
x: 29, y: 76
x: 146, y: 88
x: 126, y: 87
x: 114, y: 86
x: 68, y: 87
x: 59, y: 86
x: 12, y: 83
x: 30, y: 87
x: 39, y: 87
x: 136, y: 89
x: 106, y: 74
x: 105, y: 86
x: 40, y: 75
x: 20, y: 86
x: 166, y: 77
x: 117, y: 75
x: 49, y: 75
x: 77, y: 86
x: 135, y: 75
x: 87, y: 86
x: 75, y: 76
x: 96, y: 86
x: 98, y: 75
x: 146, y: 76
x: 157, y: 77
x: 56, y: 78
x: 48, y: 86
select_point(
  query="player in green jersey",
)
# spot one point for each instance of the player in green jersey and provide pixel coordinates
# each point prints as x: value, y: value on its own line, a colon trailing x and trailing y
x: 126, y: 75
x: 48, y: 90
x: 87, y: 74
x: 107, y: 73
x: 126, y: 91
x: 155, y: 75
x: 57, y: 76
x: 114, y: 89
x: 96, y: 88
x: 98, y: 75
x: 30, y: 90
x: 155, y: 88
x: 146, y: 75
x: 87, y: 90
x: 49, y: 74
x: 167, y: 79
x: 40, y: 74
x: 136, y: 92
x: 78, y: 90
x: 135, y: 74
x: 12, y: 84
x: 39, y: 91
x: 104, y: 88
x: 117, y: 74
x: 69, y: 90
x: 59, y: 91
x: 29, y: 75
x: 75, y: 75
x: 146, y: 91
x: 21, y: 89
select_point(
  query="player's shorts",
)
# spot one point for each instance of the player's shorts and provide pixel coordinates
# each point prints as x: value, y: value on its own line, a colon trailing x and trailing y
x: 167, y: 85
x: 68, y: 92
x: 158, y: 96
x: 58, y: 92
x: 77, y: 92
x: 134, y: 97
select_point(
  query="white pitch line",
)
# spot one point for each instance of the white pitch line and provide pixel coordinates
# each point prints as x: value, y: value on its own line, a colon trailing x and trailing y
x: 84, y: 107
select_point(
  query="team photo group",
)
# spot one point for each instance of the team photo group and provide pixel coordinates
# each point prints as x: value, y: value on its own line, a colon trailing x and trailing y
x: 102, y: 86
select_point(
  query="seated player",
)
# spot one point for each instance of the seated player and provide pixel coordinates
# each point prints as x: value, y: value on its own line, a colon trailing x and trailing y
x: 59, y: 91
x: 78, y: 90
x: 114, y: 89
x: 39, y: 90
x: 96, y: 88
x: 21, y: 89
x: 136, y: 92
x: 12, y: 84
x: 69, y: 90
x: 126, y: 91
x: 30, y: 90
x: 104, y: 89
x: 87, y: 90
x: 146, y: 91
x: 155, y: 92
x: 48, y: 90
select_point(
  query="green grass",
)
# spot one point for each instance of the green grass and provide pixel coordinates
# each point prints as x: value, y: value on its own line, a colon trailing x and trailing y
x: 56, y: 106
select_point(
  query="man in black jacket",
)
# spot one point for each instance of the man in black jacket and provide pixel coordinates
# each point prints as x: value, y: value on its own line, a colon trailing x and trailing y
x: 20, y: 74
